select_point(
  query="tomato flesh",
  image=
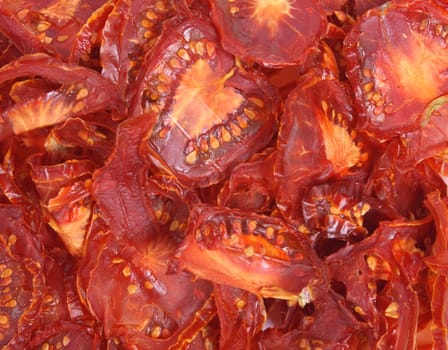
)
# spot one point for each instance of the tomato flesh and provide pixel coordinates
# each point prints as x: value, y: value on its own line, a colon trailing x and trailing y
x: 271, y: 32
x: 396, y: 63
x: 204, y: 124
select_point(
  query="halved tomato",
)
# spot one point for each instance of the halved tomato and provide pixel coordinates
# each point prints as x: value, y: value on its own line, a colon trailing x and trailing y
x: 49, y: 26
x: 131, y: 291
x: 131, y: 30
x: 275, y: 33
x: 257, y: 253
x: 78, y: 91
x: 396, y: 63
x: 316, y: 141
x: 250, y: 186
x: 209, y: 113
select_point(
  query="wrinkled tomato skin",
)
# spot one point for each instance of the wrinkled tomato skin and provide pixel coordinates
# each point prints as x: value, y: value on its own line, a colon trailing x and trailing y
x: 251, y: 185
x: 276, y: 261
x: 315, y: 140
x: 209, y: 114
x: 381, y: 267
x: 310, y: 325
x: 130, y: 31
x: 275, y: 37
x: 384, y: 51
x: 49, y: 26
x: 437, y: 263
x: 129, y: 290
x: 241, y: 315
x: 82, y: 91
x: 117, y: 187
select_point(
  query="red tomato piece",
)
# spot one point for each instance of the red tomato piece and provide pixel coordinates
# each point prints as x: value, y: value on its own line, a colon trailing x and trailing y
x: 86, y: 45
x: 82, y: 91
x: 242, y: 316
x: 117, y: 187
x: 375, y: 276
x: 210, y: 114
x: 66, y: 335
x: 316, y: 140
x: 251, y: 184
x: 438, y: 262
x: 334, y: 215
x: 309, y: 327
x: 257, y: 253
x: 131, y: 30
x: 396, y: 63
x: 431, y: 138
x: 169, y: 204
x: 49, y: 26
x: 130, y: 291
x: 22, y: 279
x: 275, y: 33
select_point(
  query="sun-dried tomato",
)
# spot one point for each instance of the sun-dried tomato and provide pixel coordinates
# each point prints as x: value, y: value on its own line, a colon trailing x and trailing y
x: 213, y: 175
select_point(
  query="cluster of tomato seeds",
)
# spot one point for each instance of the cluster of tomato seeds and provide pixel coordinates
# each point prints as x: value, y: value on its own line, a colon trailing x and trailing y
x: 224, y: 174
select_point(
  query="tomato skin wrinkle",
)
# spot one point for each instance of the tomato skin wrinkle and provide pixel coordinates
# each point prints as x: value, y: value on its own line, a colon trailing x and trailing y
x: 223, y: 174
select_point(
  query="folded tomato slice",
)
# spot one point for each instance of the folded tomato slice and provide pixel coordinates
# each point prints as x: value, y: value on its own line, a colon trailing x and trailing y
x: 396, y: 62
x: 129, y: 290
x: 208, y: 113
x: 66, y: 90
x: 270, y: 32
x: 316, y: 140
x: 253, y: 252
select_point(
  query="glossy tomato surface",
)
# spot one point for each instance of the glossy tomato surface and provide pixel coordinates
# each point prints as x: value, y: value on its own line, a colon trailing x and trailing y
x: 208, y: 113
x: 215, y: 175
x: 410, y: 37
x: 273, y: 33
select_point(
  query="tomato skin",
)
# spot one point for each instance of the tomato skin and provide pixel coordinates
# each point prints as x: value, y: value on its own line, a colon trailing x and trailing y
x: 437, y: 262
x: 251, y: 184
x: 315, y: 140
x: 45, y: 26
x: 130, y: 31
x: 381, y: 53
x: 82, y: 91
x: 274, y: 37
x: 241, y: 315
x: 224, y: 243
x: 382, y: 267
x: 128, y: 288
x: 198, y: 137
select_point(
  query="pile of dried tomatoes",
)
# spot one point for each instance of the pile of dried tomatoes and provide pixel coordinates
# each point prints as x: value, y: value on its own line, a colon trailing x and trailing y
x: 224, y: 174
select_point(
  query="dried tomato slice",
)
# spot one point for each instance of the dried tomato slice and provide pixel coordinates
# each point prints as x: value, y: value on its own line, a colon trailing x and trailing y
x: 66, y: 335
x: 375, y: 277
x: 438, y: 262
x: 169, y: 204
x: 82, y: 91
x: 251, y: 184
x: 131, y: 30
x: 22, y: 279
x: 273, y: 33
x: 86, y: 46
x: 209, y: 112
x: 333, y: 215
x: 117, y: 187
x: 242, y: 316
x: 316, y: 141
x: 309, y: 326
x: 49, y: 26
x: 396, y: 64
x: 257, y: 253
x: 130, y: 291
